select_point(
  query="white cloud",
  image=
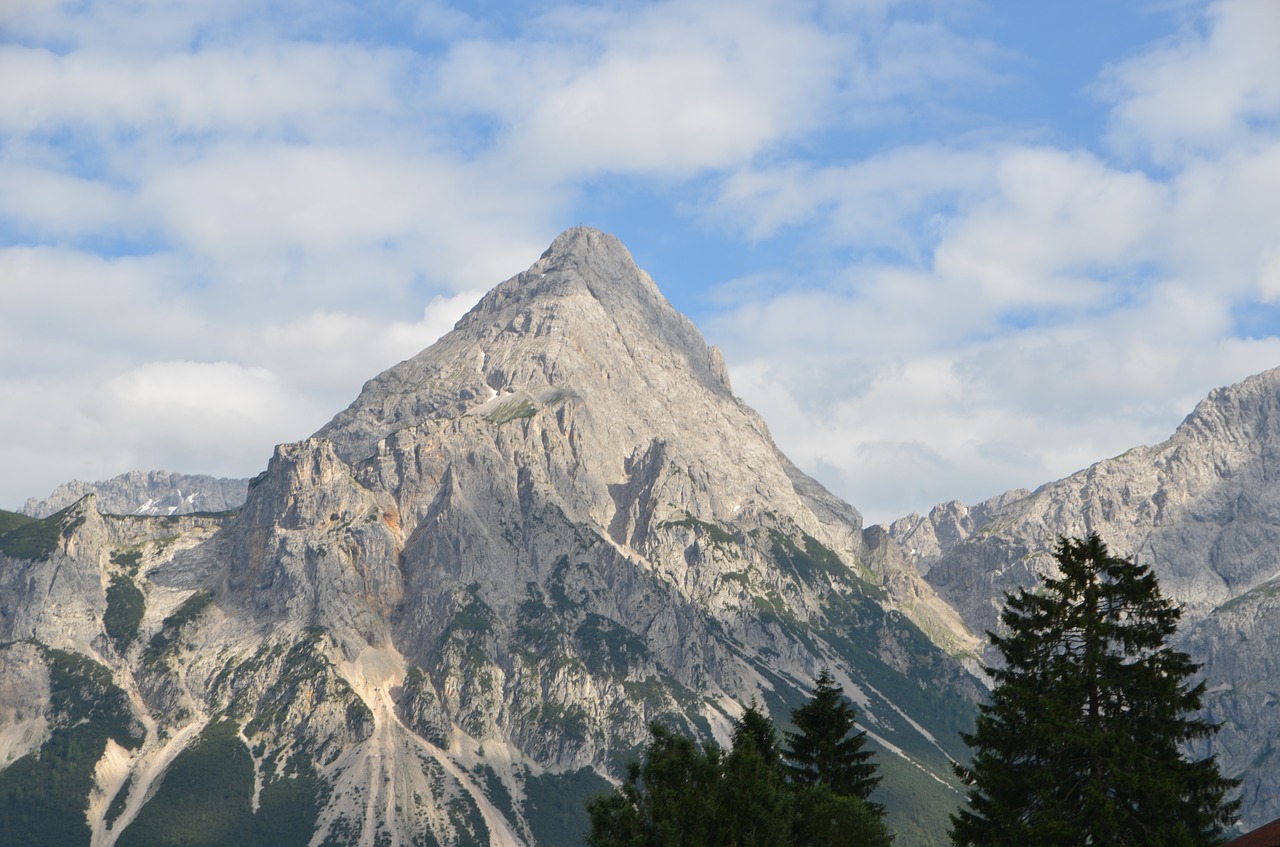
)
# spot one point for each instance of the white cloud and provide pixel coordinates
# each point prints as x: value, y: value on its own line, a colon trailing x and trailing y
x: 329, y: 355
x: 1213, y: 89
x: 221, y: 414
x: 1011, y: 313
x: 879, y: 203
x: 1222, y: 221
x: 256, y: 89
x: 233, y: 213
x: 211, y: 417
x: 1050, y: 221
x: 43, y: 202
x: 1269, y: 277
x: 143, y: 26
x: 66, y: 309
x: 439, y: 20
x: 666, y: 88
x: 175, y: 395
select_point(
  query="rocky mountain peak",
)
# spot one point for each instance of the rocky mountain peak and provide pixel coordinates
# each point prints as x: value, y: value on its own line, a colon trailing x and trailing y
x: 596, y: 263
x: 581, y: 260
x: 1181, y: 505
x: 1237, y: 424
x: 490, y: 573
x: 583, y: 323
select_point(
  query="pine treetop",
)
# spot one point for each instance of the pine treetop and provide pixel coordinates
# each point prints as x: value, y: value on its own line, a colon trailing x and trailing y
x: 1082, y: 740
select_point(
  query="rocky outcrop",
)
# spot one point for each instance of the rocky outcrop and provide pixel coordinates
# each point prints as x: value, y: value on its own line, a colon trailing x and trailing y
x: 1202, y: 509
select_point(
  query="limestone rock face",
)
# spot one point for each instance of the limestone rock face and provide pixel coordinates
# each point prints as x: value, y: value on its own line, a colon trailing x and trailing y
x: 1203, y: 510
x: 59, y: 599
x: 474, y: 588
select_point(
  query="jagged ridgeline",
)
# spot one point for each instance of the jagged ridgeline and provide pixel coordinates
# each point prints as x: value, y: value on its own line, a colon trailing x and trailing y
x: 450, y: 615
x: 1202, y: 509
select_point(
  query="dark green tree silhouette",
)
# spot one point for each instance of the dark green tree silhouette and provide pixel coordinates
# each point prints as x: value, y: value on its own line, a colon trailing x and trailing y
x: 1082, y: 742
x: 756, y: 726
x: 685, y: 795
x: 824, y: 750
x: 825, y: 819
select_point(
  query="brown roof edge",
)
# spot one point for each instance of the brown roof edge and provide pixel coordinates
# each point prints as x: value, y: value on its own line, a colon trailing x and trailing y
x: 1267, y: 835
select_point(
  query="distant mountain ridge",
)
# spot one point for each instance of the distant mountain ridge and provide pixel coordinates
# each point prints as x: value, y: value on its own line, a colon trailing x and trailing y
x: 147, y: 493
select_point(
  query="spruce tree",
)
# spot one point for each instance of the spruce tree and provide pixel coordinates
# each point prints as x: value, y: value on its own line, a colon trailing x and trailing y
x: 755, y: 725
x: 1083, y: 739
x: 824, y: 819
x: 682, y: 794
x: 688, y: 795
x: 825, y: 751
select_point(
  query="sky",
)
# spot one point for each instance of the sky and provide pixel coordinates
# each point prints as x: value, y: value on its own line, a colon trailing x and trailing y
x: 948, y: 248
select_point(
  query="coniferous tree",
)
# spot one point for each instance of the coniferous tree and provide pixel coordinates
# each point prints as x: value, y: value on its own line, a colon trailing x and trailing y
x: 685, y: 795
x: 756, y: 806
x: 1082, y: 740
x: 756, y: 726
x: 824, y: 750
x: 825, y: 819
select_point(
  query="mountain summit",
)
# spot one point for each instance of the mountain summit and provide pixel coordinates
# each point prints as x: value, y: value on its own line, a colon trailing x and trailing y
x: 583, y: 324
x: 456, y: 609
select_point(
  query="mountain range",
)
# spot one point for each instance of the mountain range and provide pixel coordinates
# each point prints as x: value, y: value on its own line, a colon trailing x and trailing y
x: 1203, y: 510
x: 455, y: 610
x: 450, y: 615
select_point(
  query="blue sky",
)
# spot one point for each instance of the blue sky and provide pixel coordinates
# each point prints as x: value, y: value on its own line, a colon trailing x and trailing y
x: 948, y: 248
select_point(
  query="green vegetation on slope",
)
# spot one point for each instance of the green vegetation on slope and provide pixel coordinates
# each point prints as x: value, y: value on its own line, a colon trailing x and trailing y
x: 43, y: 799
x: 125, y: 607
x: 165, y: 641
x: 13, y: 520
x: 128, y: 559
x: 607, y: 647
x: 22, y: 537
x: 809, y: 562
x: 917, y: 806
x: 555, y: 805
x: 496, y: 791
x: 206, y: 796
x: 511, y: 410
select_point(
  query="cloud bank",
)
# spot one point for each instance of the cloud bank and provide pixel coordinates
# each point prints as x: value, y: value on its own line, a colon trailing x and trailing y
x: 218, y: 219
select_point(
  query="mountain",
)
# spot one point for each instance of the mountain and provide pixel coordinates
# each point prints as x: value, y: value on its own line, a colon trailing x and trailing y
x: 1203, y: 510
x: 147, y: 493
x: 451, y: 614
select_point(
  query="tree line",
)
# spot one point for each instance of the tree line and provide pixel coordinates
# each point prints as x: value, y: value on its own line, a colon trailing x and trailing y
x: 1082, y: 742
x: 812, y: 792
